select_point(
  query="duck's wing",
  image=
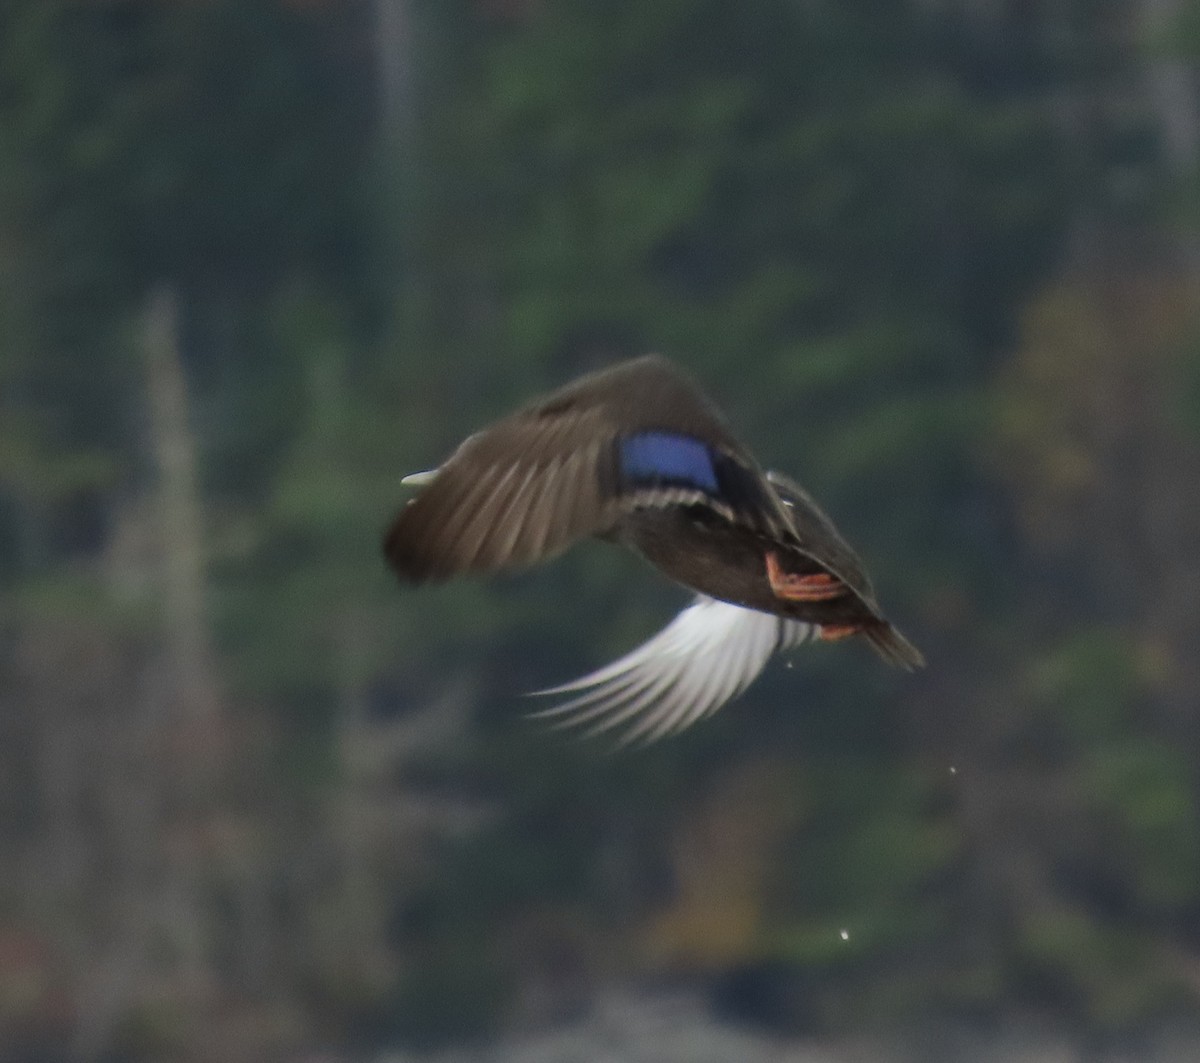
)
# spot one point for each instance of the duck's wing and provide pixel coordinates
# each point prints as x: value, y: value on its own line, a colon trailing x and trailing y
x: 815, y: 535
x: 572, y: 465
x: 818, y: 538
x: 706, y: 656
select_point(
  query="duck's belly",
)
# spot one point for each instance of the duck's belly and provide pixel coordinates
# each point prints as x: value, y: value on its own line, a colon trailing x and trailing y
x: 718, y: 559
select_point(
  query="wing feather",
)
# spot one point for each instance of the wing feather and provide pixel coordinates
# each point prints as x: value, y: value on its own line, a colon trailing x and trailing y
x: 538, y: 520
x: 477, y: 526
x: 456, y: 514
x: 502, y: 500
x: 507, y: 526
x: 527, y: 487
x: 701, y: 660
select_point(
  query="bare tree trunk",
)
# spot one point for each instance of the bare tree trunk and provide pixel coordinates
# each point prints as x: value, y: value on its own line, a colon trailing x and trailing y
x: 394, y: 66
x: 363, y: 909
x: 1173, y: 94
x: 154, y: 767
x: 1172, y: 87
x: 195, y: 698
x: 184, y: 695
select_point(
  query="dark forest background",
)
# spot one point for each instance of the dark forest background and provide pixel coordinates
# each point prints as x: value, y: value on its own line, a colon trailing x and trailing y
x: 938, y: 259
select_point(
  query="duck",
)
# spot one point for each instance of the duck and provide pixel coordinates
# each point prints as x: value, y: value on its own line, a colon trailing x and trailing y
x: 636, y: 454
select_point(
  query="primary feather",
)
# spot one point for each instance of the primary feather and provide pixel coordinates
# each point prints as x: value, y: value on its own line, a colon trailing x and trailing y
x: 705, y: 657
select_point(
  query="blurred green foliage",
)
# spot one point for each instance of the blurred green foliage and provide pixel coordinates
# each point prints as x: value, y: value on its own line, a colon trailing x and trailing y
x: 852, y: 222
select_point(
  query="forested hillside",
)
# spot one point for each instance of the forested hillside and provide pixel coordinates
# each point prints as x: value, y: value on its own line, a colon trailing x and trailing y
x: 261, y: 258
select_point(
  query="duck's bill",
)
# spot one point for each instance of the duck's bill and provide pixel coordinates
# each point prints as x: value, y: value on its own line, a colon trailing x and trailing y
x: 419, y: 479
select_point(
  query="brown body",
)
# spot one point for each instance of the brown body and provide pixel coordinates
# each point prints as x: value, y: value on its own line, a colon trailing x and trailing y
x: 532, y: 484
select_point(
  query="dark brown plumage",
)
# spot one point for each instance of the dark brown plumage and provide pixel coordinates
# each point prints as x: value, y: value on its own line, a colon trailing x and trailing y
x: 637, y: 454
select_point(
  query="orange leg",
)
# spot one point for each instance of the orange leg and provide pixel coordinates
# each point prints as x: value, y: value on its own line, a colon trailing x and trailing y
x: 818, y: 587
x: 833, y: 632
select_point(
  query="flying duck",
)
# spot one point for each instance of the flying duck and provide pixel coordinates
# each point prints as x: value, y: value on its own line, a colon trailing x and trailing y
x: 638, y: 455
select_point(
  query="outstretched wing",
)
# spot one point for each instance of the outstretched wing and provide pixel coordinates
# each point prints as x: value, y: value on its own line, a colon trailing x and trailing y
x: 815, y: 535
x: 570, y: 466
x: 517, y: 493
x: 705, y: 657
x: 818, y: 538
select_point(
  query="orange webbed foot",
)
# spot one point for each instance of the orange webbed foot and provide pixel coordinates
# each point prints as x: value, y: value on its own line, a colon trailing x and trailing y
x: 817, y: 587
x: 834, y: 632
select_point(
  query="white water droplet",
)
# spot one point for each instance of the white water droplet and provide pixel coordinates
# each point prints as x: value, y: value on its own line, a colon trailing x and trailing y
x: 953, y: 770
x: 844, y: 935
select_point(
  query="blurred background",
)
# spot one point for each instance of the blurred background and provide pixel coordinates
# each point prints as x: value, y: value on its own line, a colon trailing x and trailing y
x: 938, y: 259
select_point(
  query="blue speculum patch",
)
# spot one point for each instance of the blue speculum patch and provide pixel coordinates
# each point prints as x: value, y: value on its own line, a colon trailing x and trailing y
x: 663, y: 457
